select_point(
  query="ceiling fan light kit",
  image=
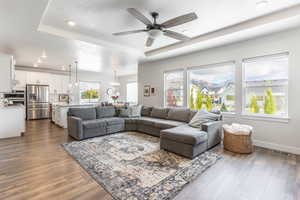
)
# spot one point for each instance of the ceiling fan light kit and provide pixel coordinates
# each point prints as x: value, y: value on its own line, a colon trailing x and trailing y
x: 155, y: 30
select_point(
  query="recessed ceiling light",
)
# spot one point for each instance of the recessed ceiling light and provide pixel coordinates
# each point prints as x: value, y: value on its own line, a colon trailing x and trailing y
x: 71, y: 23
x: 35, y: 65
x: 260, y: 5
x: 39, y: 60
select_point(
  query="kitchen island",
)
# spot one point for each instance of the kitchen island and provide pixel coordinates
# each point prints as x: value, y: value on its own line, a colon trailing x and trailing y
x: 12, y: 121
x: 60, y: 110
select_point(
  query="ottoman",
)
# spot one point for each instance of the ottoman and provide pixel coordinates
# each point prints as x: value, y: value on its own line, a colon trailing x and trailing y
x: 184, y: 140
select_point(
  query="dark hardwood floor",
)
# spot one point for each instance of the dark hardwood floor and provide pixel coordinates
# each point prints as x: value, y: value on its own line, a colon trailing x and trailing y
x: 36, y: 167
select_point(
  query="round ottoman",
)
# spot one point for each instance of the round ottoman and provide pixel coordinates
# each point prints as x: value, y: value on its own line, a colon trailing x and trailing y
x: 237, y: 138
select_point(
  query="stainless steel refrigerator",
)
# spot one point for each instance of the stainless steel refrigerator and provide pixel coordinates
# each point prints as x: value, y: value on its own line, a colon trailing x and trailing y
x: 37, y: 101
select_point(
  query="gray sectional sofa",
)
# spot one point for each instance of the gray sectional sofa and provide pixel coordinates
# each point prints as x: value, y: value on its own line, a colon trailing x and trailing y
x: 171, y: 125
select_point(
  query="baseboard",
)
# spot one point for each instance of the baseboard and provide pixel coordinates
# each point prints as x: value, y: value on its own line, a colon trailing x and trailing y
x: 278, y: 147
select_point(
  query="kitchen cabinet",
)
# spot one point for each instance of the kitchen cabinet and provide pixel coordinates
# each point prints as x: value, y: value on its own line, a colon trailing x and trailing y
x: 58, y: 83
x: 6, y: 73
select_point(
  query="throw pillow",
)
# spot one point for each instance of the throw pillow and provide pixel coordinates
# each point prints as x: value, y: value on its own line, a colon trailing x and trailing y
x: 202, y: 117
x: 131, y: 111
x: 135, y: 111
x: 124, y: 112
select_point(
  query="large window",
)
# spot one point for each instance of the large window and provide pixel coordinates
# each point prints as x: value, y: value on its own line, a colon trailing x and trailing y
x: 132, y: 93
x: 89, y: 92
x: 266, y: 85
x: 173, y: 88
x: 212, y: 87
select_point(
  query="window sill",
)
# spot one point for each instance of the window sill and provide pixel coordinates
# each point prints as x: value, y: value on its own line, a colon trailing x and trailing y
x: 246, y: 116
x: 281, y: 119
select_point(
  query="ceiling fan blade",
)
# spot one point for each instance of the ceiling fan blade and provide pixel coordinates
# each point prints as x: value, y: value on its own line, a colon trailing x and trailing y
x: 175, y: 35
x: 179, y: 20
x: 149, y: 42
x: 129, y: 32
x: 137, y: 14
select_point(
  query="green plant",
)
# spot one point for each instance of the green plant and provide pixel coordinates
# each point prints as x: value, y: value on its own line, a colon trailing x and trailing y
x: 254, y: 107
x: 90, y: 94
x: 224, y: 108
x: 192, y: 101
x: 209, y: 103
x: 270, y: 102
x: 199, y: 100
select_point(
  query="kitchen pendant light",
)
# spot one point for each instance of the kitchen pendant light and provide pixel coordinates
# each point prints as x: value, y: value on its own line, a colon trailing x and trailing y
x: 70, y: 76
x: 76, y: 73
x: 115, y: 83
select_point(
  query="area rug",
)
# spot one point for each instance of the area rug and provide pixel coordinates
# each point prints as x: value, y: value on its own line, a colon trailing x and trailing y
x: 131, y: 165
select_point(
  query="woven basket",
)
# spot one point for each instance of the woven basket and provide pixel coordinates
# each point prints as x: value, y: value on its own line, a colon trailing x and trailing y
x: 237, y: 143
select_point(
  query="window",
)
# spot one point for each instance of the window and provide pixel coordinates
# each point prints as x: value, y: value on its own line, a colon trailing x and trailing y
x: 212, y: 87
x: 173, y: 88
x: 266, y: 85
x: 89, y: 92
x: 132, y: 93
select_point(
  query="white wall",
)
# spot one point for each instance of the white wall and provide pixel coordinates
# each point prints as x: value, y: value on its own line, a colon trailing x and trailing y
x: 281, y: 135
x: 123, y: 81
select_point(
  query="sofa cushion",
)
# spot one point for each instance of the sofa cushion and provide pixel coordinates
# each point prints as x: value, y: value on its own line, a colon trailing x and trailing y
x: 146, y: 121
x: 165, y: 124
x: 179, y: 114
x: 83, y: 113
x: 114, y: 121
x: 131, y: 120
x: 202, y: 117
x: 184, y: 134
x: 106, y: 111
x: 96, y: 123
x: 146, y: 111
x: 161, y: 113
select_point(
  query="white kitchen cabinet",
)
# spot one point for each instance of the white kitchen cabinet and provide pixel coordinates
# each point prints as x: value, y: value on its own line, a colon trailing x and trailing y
x: 6, y: 73
x: 21, y: 79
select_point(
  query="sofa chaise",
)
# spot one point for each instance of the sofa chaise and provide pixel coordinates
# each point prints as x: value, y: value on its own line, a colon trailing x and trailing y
x: 170, y: 124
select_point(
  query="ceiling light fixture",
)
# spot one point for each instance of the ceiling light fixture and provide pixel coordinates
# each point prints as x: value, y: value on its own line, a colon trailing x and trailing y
x: 39, y: 61
x: 260, y: 5
x: 76, y: 74
x: 71, y: 23
x: 115, y: 83
x: 44, y: 55
x: 35, y: 65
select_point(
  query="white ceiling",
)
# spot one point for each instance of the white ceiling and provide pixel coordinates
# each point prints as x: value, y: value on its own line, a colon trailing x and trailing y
x: 31, y: 26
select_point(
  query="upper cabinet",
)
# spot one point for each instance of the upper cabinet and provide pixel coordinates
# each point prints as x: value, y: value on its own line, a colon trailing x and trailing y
x: 7, y: 73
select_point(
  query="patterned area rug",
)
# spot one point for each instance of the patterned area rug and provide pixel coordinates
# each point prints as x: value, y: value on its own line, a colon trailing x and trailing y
x: 131, y: 166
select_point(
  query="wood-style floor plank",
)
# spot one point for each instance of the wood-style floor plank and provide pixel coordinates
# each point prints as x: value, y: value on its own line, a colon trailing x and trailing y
x: 36, y: 167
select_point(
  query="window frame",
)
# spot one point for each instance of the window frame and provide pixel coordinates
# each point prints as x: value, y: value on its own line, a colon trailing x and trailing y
x: 183, y: 71
x: 137, y: 95
x: 243, y: 93
x: 209, y: 66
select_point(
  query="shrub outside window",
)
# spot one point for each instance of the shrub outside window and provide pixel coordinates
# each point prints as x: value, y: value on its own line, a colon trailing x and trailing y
x: 265, y: 85
x: 89, y: 92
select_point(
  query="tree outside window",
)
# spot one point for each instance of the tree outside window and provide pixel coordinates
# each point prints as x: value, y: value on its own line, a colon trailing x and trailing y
x: 212, y: 87
x: 173, y: 88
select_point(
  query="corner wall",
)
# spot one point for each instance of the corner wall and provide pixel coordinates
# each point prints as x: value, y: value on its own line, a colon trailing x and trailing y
x: 274, y: 134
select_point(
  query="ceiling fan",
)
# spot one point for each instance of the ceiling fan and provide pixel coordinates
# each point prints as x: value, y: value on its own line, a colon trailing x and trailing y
x: 154, y: 29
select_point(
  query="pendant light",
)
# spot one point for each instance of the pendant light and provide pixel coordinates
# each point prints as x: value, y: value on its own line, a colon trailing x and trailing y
x: 115, y: 83
x: 76, y: 73
x: 70, y: 76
